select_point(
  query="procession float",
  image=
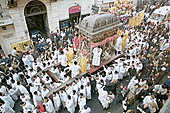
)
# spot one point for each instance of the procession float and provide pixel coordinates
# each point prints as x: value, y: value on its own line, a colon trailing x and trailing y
x: 98, y: 34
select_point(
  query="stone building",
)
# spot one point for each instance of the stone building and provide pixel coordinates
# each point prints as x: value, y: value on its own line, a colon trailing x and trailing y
x: 20, y: 18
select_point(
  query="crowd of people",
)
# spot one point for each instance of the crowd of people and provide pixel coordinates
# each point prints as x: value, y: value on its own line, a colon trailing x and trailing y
x: 134, y: 77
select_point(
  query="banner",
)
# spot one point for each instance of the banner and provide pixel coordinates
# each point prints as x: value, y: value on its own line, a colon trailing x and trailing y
x: 20, y: 46
x: 136, y: 20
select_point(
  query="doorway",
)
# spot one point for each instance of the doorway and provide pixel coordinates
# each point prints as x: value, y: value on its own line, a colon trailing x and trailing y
x: 36, y: 18
x: 74, y: 15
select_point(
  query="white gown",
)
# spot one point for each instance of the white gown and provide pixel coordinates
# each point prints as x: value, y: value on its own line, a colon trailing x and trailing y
x: 49, y: 107
x: 57, y: 102
x: 88, y: 92
x: 44, y: 93
x: 7, y: 109
x: 88, y: 110
x: 75, y: 99
x: 96, y: 56
x: 74, y: 70
x: 23, y: 90
x: 118, y: 45
x: 70, y: 106
x: 28, y: 107
x: 103, y: 98
x: 37, y: 100
x: 81, y: 103
x: 9, y: 100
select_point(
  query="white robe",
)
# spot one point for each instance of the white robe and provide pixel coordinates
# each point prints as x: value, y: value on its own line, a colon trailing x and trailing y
x: 88, y: 110
x: 3, y: 90
x: 63, y: 97
x: 103, y: 98
x: 13, y: 94
x: 37, y: 99
x: 75, y: 99
x: 44, y: 93
x: 49, y: 106
x: 96, y: 56
x: 88, y: 92
x: 70, y: 106
x: 132, y: 83
x: 121, y: 72
x: 75, y: 69
x: 28, y: 107
x: 7, y: 109
x: 57, y: 102
x: 25, y: 99
x: 81, y: 103
x: 118, y: 45
x: 23, y: 90
x: 62, y: 59
x: 7, y: 99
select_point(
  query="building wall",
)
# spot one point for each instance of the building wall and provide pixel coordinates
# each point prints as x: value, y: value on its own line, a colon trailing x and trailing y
x: 7, y: 37
x: 56, y: 11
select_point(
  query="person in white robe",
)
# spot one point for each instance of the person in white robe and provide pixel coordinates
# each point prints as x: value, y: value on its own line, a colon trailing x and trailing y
x: 44, y: 91
x: 121, y: 72
x: 37, y: 99
x: 118, y: 45
x: 36, y: 80
x: 63, y: 97
x: 84, y: 80
x: 3, y: 89
x: 75, y: 98
x: 33, y: 88
x: 88, y: 91
x: 25, y: 98
x: 132, y: 82
x: 5, y: 108
x: 103, y: 94
x: 47, y: 80
x: 70, y: 105
x: 49, y: 105
x: 83, y: 90
x: 7, y: 99
x: 55, y: 70
x: 22, y: 89
x: 68, y: 89
x: 75, y: 69
x: 30, y: 59
x: 86, y: 109
x: 27, y: 107
x: 75, y: 86
x: 57, y: 101
x: 62, y: 58
x: 149, y: 99
x: 12, y: 93
x: 81, y: 102
x: 96, y: 56
x: 25, y: 60
x: 54, y: 85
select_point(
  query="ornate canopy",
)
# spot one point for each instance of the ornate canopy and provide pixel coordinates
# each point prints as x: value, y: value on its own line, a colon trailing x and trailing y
x: 96, y: 24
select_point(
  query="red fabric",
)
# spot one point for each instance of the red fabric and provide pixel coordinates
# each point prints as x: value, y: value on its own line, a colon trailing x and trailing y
x: 42, y: 109
x: 108, y: 39
x: 74, y: 9
x: 84, y: 52
x: 76, y: 42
